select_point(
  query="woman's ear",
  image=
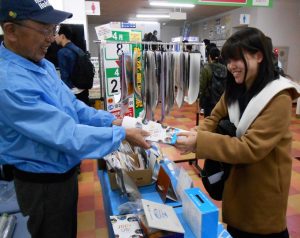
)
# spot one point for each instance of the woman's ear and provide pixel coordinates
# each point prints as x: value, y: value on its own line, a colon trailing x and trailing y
x: 259, y: 56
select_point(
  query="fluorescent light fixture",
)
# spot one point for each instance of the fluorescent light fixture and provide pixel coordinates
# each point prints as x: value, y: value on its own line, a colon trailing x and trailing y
x: 178, y: 15
x: 153, y: 16
x: 170, y: 4
x: 143, y: 22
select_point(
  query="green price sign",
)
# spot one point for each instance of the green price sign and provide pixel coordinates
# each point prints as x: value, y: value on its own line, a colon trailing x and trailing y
x: 112, y: 72
x: 119, y: 36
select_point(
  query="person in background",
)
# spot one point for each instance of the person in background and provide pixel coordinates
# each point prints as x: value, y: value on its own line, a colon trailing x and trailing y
x: 208, y: 47
x: 206, y: 42
x: 66, y: 58
x: 212, y: 90
x: 154, y: 36
x: 187, y: 48
x: 255, y: 194
x: 44, y: 130
x: 147, y: 38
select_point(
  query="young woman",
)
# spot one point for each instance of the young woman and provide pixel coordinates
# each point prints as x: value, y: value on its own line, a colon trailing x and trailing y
x: 256, y: 192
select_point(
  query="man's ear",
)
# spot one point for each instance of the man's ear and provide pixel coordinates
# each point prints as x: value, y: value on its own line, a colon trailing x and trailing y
x: 63, y: 36
x: 9, y: 30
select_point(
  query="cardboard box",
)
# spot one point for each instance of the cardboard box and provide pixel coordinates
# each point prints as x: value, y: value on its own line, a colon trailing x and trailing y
x: 140, y: 177
x: 200, y: 213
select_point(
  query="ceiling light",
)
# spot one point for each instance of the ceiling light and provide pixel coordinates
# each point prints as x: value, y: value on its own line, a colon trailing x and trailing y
x: 153, y: 16
x: 143, y: 22
x: 170, y: 4
x: 178, y: 15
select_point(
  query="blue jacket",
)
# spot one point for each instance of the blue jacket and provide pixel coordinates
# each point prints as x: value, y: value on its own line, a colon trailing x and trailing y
x: 43, y: 127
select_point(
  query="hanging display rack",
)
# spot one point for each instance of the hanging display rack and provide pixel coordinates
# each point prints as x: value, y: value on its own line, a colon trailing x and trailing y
x: 149, y: 43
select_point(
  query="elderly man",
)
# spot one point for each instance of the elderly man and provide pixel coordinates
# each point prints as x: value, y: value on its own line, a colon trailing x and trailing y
x: 44, y: 130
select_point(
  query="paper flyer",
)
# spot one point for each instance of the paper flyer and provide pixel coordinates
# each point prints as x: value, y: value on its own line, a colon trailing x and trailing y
x: 158, y: 132
x: 126, y: 226
x: 161, y: 216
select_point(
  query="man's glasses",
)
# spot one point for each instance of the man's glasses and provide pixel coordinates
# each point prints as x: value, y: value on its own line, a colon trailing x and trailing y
x: 46, y: 32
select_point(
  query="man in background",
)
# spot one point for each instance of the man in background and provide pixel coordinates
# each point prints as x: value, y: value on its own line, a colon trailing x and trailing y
x: 66, y: 58
x: 154, y: 36
x: 212, y: 81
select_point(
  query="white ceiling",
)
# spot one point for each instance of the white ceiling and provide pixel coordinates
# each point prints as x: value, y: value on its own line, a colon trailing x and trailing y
x: 124, y: 10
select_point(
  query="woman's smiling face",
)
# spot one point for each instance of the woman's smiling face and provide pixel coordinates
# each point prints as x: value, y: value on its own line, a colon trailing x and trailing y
x: 238, y: 68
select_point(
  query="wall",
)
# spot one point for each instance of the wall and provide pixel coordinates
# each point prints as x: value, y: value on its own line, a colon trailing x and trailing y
x: 281, y: 23
x: 93, y: 37
x: 79, y: 16
x: 146, y: 28
x: 168, y: 32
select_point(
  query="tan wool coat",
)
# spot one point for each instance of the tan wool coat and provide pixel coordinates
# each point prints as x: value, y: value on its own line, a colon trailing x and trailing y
x: 256, y: 193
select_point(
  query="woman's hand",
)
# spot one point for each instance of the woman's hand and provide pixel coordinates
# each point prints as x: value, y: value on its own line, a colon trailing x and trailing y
x: 186, y: 142
x: 195, y: 128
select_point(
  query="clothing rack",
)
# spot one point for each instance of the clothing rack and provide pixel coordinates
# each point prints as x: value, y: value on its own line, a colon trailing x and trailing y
x: 148, y: 42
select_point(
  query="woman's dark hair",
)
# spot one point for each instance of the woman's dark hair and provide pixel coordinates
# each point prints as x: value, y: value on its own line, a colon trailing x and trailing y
x: 278, y: 70
x: 249, y: 40
x: 214, y: 54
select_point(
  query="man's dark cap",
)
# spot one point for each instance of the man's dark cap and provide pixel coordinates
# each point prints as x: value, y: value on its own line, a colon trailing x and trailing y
x: 36, y: 10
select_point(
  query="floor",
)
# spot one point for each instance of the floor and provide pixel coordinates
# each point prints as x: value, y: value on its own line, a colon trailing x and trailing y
x: 91, y: 218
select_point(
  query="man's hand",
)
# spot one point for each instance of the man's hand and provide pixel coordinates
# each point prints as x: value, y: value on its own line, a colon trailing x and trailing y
x: 117, y: 122
x: 136, y: 137
x: 186, y: 142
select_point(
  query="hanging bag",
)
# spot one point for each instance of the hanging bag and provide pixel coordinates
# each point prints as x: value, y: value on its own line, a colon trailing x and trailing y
x: 215, y: 173
x: 83, y: 73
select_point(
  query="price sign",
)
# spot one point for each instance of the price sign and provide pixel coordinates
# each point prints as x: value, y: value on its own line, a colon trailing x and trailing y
x: 119, y: 36
x: 113, y: 81
x: 112, y: 51
x: 113, y: 86
x: 112, y: 72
